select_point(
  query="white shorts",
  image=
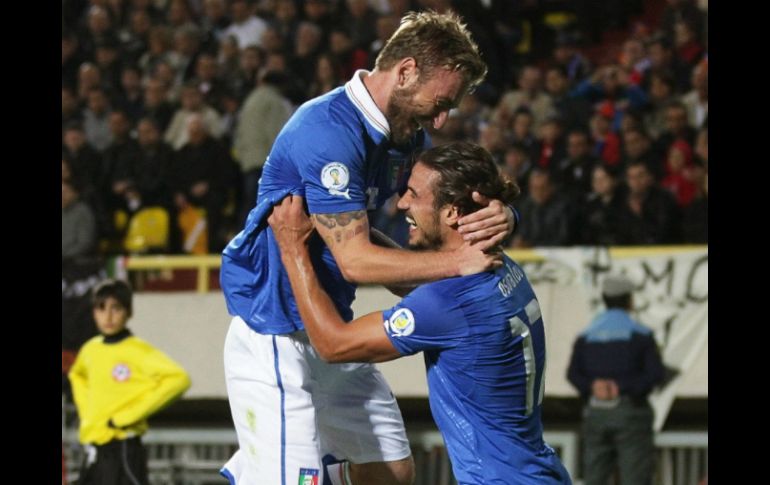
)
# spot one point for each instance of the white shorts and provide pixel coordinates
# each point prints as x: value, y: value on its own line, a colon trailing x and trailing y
x: 290, y: 409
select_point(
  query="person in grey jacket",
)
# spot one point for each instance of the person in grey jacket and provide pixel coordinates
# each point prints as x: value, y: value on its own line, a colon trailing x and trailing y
x: 264, y: 113
x: 78, y: 225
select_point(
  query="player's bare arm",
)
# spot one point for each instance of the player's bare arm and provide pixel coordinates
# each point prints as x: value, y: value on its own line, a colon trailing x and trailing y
x: 363, y: 339
x: 361, y: 261
x: 380, y: 239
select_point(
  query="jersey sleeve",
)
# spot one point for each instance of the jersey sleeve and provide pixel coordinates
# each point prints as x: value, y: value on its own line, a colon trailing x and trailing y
x: 170, y: 379
x: 332, y: 165
x: 426, y: 319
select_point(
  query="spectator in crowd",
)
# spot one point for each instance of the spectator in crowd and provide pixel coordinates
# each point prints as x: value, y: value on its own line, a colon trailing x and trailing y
x: 573, y: 111
x: 361, y: 21
x: 605, y: 143
x: 78, y: 224
x: 551, y: 146
x: 633, y: 59
x: 251, y: 61
x: 325, y: 77
x: 566, y: 54
x: 96, y: 120
x: 70, y: 109
x: 529, y: 95
x: 649, y: 214
x: 134, y: 38
x: 192, y: 105
x: 184, y: 55
x: 546, y: 217
x: 210, y: 84
x: 517, y: 165
x: 151, y: 168
x: 89, y: 78
x: 119, y: 160
x: 285, y: 22
x: 307, y: 48
x: 264, y: 113
x: 662, y: 93
x: 85, y: 162
x: 638, y: 148
x: 130, y: 98
x: 611, y: 84
x: 200, y: 174
x: 156, y: 104
x: 108, y: 63
x: 689, y: 49
x: 680, y: 173
x: 697, y: 100
x: 522, y: 132
x: 349, y: 57
x: 71, y: 59
x: 573, y: 173
x: 677, y: 128
x: 228, y: 59
x: 600, y: 208
x: 245, y: 26
x: 158, y: 49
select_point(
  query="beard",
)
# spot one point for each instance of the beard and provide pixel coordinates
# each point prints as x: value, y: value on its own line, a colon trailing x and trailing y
x: 429, y: 238
x: 400, y: 116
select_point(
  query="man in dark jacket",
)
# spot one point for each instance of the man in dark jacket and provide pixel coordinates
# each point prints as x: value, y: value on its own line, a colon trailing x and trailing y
x: 615, y: 365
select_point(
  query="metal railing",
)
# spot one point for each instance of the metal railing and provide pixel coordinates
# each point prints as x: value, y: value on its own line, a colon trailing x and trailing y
x: 194, y: 456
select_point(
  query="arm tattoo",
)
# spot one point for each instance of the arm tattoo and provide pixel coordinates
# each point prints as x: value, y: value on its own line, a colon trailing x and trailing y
x: 339, y: 223
x: 342, y: 219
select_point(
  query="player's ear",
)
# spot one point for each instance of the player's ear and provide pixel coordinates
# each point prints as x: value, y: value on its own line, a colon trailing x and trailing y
x: 407, y: 72
x: 450, y: 214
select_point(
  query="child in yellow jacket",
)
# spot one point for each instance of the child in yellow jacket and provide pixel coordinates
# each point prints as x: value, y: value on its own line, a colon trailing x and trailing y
x: 118, y: 381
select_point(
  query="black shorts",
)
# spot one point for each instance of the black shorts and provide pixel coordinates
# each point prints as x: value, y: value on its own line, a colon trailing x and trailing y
x: 119, y: 462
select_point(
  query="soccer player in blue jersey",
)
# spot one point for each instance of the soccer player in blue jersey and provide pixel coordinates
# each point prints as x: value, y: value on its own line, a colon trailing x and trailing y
x: 346, y: 153
x: 482, y: 335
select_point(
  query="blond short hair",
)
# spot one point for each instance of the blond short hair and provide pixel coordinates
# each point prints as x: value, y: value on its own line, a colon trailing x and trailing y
x: 434, y: 41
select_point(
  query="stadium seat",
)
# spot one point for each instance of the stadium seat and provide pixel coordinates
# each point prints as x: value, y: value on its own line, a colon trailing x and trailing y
x: 147, y: 230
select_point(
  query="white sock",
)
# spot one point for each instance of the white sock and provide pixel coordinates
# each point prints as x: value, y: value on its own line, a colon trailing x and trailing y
x: 339, y: 473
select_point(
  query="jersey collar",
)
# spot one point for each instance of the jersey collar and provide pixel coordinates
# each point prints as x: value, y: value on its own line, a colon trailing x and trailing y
x: 362, y: 100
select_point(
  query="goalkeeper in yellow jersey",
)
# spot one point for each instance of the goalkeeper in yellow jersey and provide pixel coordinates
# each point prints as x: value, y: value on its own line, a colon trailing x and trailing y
x: 118, y: 381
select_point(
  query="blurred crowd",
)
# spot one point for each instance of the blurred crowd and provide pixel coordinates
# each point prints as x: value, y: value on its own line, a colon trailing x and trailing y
x: 169, y: 108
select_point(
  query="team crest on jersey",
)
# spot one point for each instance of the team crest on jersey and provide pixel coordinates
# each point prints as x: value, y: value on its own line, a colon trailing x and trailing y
x: 401, y: 323
x: 308, y: 476
x: 121, y: 372
x: 335, y: 177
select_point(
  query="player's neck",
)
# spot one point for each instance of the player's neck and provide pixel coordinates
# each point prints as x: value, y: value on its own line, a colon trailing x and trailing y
x: 380, y: 85
x: 451, y: 240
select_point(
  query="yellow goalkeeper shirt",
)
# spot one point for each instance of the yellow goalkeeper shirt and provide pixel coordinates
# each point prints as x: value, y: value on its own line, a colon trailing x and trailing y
x: 126, y: 381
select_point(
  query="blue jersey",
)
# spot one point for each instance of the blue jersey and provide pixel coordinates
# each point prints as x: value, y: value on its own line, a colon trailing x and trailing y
x: 335, y: 151
x: 484, y: 347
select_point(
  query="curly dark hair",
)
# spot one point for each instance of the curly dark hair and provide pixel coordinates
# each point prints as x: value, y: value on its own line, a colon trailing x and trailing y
x: 463, y: 168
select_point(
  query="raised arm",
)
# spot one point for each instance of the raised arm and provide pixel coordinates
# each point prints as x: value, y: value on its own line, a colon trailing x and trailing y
x: 363, y: 339
x: 361, y: 261
x: 380, y: 239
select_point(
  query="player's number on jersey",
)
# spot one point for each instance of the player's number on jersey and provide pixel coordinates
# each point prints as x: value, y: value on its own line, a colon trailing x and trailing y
x: 520, y: 329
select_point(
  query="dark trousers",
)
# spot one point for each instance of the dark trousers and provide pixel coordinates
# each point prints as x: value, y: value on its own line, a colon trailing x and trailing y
x: 621, y: 436
x: 119, y: 462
